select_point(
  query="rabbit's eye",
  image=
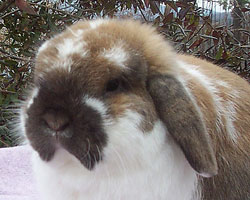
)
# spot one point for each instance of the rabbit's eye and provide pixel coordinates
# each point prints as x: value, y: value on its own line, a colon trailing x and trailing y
x: 112, y: 85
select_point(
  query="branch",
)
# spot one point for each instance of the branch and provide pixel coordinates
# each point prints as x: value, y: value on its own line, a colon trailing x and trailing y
x: 6, y: 5
x: 154, y: 3
x: 55, y: 9
x: 7, y: 92
x: 195, y: 34
x: 84, y: 10
x: 14, y: 57
x: 10, y: 13
x: 138, y: 5
x: 4, y: 143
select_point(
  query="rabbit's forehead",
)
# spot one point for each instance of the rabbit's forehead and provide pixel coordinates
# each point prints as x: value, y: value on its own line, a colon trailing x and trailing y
x: 81, y: 48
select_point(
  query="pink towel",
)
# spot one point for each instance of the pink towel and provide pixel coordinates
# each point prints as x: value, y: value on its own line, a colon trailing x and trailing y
x: 16, y: 180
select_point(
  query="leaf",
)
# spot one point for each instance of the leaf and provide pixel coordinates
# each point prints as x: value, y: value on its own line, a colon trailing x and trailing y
x: 191, y: 27
x: 168, y: 18
x: 24, y: 6
x: 209, y: 37
x: 181, y: 4
x: 129, y: 4
x: 153, y: 7
x: 245, y: 9
x: 219, y: 54
x: 1, y: 98
x: 172, y: 5
x: 23, y: 68
x: 208, y: 30
x: 191, y: 19
x: 28, y: 54
x: 183, y: 12
x: 245, y: 46
x: 14, y: 97
x: 167, y: 10
x: 141, y: 5
x: 157, y: 21
x: 147, y: 2
x: 216, y: 35
x: 10, y: 63
x: 196, y: 43
x: 225, y: 55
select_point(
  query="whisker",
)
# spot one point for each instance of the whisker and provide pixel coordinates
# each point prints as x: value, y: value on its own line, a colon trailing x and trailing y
x: 99, y: 153
x: 88, y: 150
x: 121, y: 166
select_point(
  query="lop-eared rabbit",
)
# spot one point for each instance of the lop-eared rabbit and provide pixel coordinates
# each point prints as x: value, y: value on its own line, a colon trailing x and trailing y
x: 115, y: 114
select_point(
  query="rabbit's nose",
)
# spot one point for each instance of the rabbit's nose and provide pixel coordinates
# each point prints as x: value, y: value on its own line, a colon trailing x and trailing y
x: 56, y: 120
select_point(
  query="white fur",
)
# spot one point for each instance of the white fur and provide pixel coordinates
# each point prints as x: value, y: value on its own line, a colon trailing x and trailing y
x: 231, y: 108
x: 95, y: 23
x: 226, y: 110
x: 33, y: 95
x: 63, y: 63
x: 116, y: 55
x: 230, y: 118
x: 77, y: 33
x: 22, y: 118
x: 65, y: 51
x: 44, y: 46
x: 136, y: 165
x: 96, y: 104
x: 222, y: 83
x: 71, y: 46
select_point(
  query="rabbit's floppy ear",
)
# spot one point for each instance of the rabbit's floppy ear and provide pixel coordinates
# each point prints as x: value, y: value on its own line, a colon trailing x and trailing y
x: 183, y: 121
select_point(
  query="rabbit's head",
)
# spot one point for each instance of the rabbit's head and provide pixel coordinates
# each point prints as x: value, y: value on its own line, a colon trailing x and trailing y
x: 105, y: 86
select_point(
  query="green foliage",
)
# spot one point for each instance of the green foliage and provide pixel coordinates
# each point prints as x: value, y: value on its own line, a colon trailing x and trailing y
x: 6, y: 138
x: 195, y: 33
x: 230, y: 4
x: 187, y: 26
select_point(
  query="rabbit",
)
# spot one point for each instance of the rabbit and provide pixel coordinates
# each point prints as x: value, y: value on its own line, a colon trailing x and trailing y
x: 114, y: 113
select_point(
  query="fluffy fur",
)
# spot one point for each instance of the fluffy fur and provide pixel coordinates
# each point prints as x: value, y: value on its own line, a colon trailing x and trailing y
x: 115, y: 113
x: 127, y: 172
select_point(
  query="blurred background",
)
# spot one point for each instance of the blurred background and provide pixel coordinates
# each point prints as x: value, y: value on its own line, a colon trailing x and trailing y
x: 216, y: 30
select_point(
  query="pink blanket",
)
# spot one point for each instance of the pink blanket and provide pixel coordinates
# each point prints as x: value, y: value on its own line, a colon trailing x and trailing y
x: 16, y: 180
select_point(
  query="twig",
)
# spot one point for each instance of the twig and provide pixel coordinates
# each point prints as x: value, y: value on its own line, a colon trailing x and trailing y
x: 158, y: 9
x: 110, y: 11
x: 4, y: 143
x: 233, y: 37
x: 55, y: 9
x: 240, y: 15
x: 210, y: 48
x: 6, y: 5
x: 12, y: 56
x: 243, y: 30
x: 7, y: 92
x: 10, y: 13
x: 84, y: 10
x: 138, y: 5
x: 182, y: 30
x: 196, y: 33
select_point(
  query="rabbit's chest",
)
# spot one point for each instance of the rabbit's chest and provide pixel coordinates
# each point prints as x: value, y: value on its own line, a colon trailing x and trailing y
x: 161, y: 181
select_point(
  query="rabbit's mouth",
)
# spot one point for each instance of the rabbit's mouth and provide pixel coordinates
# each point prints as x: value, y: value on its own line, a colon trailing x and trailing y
x: 53, y: 121
x: 84, y: 143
